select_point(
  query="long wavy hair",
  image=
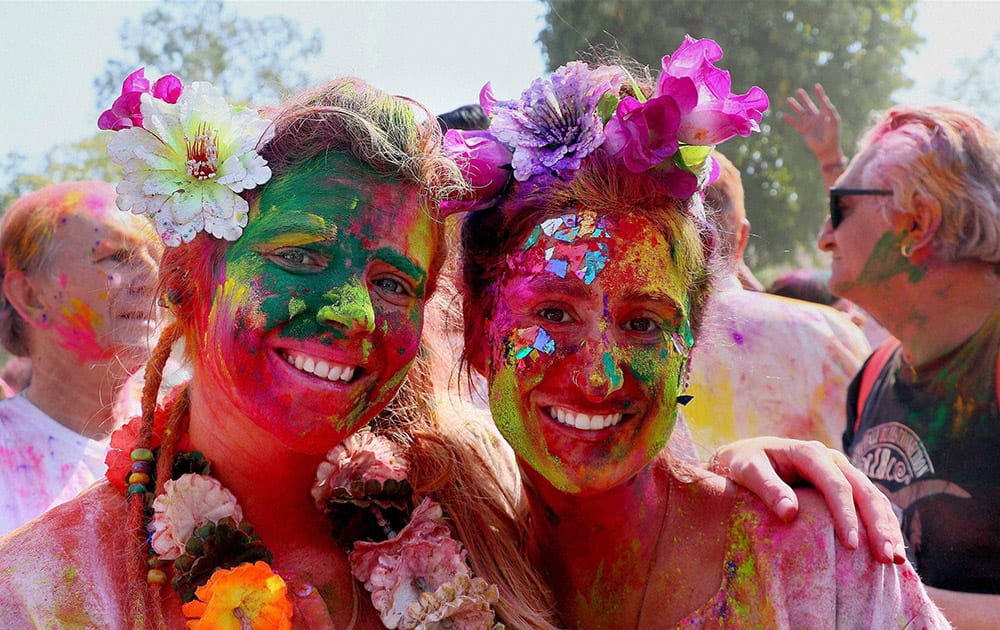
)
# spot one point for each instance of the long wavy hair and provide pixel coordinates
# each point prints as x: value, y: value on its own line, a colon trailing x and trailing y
x: 383, y: 132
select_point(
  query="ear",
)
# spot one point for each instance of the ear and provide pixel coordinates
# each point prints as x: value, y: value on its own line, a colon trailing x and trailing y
x: 744, y: 240
x: 921, y: 225
x: 20, y: 292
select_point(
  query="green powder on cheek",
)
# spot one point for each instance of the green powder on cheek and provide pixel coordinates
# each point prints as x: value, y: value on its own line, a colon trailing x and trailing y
x: 529, y: 448
x: 884, y: 263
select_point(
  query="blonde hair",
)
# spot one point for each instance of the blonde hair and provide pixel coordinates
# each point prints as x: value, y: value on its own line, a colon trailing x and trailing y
x: 725, y: 198
x: 349, y: 117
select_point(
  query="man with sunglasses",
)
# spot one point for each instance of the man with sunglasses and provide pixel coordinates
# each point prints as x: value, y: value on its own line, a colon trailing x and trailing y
x: 914, y: 231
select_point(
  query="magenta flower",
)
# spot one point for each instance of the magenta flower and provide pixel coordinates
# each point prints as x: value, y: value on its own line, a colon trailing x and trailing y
x: 125, y: 112
x: 486, y: 98
x: 555, y: 124
x: 645, y: 134
x: 719, y: 114
x: 485, y: 163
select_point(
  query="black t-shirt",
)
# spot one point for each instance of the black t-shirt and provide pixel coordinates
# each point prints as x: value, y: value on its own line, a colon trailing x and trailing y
x: 930, y: 439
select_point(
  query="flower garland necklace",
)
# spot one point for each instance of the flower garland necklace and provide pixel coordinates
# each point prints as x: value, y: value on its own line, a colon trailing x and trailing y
x: 416, y: 572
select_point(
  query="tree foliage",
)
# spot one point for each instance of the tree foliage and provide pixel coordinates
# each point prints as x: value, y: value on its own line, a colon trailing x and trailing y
x: 977, y: 84
x: 250, y: 60
x: 86, y: 159
x: 853, y: 47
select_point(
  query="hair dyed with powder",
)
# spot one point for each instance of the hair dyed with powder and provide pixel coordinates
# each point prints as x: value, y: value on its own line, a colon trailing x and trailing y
x: 383, y: 133
x: 27, y: 238
x: 947, y: 156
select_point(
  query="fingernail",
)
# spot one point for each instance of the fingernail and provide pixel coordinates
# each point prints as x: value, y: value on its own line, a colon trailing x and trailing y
x: 852, y: 539
x: 784, y: 507
x: 900, y: 554
x: 887, y: 550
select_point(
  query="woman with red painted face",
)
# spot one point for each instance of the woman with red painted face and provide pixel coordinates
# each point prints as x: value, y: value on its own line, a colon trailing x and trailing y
x: 300, y: 478
x: 587, y: 261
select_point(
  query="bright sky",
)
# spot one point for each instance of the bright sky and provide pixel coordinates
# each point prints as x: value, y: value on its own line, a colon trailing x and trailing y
x: 438, y: 52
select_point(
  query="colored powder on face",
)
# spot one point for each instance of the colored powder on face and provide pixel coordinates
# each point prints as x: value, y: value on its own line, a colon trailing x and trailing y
x: 350, y: 305
x: 885, y: 262
x: 615, y: 377
x: 295, y: 306
x: 78, y: 334
x: 737, y: 338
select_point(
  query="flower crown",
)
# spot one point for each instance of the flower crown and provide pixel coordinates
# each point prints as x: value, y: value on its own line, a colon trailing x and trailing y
x: 187, y: 154
x: 560, y: 120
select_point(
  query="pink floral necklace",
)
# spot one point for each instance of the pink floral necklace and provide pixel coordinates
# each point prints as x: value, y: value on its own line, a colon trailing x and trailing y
x: 400, y: 550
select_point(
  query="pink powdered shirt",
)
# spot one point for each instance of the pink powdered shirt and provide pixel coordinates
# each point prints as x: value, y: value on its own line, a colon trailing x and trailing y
x: 42, y: 463
x: 768, y: 365
x: 798, y: 575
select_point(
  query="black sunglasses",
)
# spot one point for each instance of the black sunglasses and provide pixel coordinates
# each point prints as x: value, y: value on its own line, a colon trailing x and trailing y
x: 836, y: 212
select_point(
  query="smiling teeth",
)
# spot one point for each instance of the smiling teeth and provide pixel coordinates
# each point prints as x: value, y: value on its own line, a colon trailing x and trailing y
x: 582, y: 420
x: 320, y: 368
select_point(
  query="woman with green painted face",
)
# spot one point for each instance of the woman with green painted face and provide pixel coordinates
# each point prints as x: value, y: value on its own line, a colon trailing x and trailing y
x: 586, y: 264
x: 302, y: 248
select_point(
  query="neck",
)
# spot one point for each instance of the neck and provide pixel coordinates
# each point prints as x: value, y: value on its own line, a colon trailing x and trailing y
x: 598, y: 550
x: 79, y: 395
x: 271, y: 482
x: 272, y: 485
x: 935, y: 315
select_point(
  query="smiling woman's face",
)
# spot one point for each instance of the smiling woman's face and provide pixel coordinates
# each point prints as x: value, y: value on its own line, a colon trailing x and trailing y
x: 318, y: 313
x: 588, y: 347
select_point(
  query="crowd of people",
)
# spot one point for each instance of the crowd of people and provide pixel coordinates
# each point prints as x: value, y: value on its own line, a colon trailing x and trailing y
x: 341, y: 362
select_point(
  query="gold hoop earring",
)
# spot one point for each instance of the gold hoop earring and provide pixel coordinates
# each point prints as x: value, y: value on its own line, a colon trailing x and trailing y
x: 906, y: 250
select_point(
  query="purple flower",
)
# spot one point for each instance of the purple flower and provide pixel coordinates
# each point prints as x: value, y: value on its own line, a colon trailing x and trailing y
x: 125, y: 112
x: 555, y: 123
x: 719, y: 114
x: 485, y: 163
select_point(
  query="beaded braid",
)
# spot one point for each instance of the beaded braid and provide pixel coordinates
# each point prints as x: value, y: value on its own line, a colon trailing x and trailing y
x: 138, y: 570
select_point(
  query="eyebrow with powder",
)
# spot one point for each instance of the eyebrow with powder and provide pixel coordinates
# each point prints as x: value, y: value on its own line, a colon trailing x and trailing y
x: 404, y: 263
x: 654, y: 296
x: 298, y: 229
x: 549, y: 282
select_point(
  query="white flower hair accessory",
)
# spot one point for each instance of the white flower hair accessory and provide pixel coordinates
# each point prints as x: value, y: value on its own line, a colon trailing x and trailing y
x: 187, y: 154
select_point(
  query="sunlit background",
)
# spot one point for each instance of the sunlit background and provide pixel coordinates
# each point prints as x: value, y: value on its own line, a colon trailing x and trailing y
x: 440, y: 53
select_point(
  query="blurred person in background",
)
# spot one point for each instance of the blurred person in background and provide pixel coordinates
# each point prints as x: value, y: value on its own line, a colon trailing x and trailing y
x: 765, y: 365
x: 914, y: 231
x: 78, y: 275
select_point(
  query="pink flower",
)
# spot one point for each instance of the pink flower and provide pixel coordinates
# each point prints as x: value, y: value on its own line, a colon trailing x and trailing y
x: 404, y: 573
x: 719, y: 114
x: 125, y: 111
x: 188, y: 503
x: 486, y: 98
x: 364, y: 456
x: 485, y: 163
x: 643, y: 134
